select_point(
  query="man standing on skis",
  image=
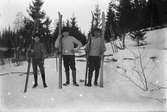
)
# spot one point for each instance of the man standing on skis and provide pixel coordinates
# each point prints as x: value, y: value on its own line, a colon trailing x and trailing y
x: 96, y: 48
x: 38, y: 54
x: 68, y: 52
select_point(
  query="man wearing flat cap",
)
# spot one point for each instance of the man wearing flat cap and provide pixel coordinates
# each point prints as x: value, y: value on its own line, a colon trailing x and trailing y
x: 38, y: 54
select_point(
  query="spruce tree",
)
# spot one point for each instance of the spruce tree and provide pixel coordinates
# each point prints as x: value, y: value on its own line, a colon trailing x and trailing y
x: 125, y: 18
x: 40, y: 21
x: 97, y: 17
x: 111, y: 23
x: 37, y: 15
x: 73, y: 22
x: 76, y: 32
x: 47, y: 36
x: 138, y: 15
x: 73, y: 29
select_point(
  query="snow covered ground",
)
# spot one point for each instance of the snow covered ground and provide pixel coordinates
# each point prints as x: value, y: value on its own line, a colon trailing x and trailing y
x: 118, y: 94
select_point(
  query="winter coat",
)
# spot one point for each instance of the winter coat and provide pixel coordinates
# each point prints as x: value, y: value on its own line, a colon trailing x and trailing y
x: 68, y: 45
x: 38, y: 51
x: 97, y: 46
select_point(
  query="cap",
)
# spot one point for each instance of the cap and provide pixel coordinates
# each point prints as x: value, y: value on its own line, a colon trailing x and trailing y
x: 97, y: 29
x: 66, y: 29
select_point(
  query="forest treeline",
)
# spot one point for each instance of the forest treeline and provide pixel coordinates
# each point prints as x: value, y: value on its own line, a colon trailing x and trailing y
x: 126, y: 16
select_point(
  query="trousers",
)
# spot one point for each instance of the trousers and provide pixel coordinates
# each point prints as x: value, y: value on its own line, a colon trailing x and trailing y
x: 38, y: 63
x: 69, y: 62
x: 93, y: 65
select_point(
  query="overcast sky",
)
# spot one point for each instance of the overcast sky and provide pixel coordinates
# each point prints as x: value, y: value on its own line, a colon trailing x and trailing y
x: 80, y: 8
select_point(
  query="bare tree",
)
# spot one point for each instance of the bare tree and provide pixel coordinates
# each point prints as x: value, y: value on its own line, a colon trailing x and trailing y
x: 19, y: 21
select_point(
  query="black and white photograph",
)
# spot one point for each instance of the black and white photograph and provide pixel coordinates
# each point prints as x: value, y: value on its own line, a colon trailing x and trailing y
x: 83, y: 55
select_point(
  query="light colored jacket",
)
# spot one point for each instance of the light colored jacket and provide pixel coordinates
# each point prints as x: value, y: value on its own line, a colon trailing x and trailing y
x: 97, y: 46
x: 68, y: 45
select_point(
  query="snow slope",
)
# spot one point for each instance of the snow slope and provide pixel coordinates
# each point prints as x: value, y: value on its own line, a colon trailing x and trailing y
x: 118, y: 94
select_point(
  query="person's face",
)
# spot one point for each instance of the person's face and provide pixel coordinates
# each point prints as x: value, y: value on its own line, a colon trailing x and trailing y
x: 66, y: 33
x: 36, y: 39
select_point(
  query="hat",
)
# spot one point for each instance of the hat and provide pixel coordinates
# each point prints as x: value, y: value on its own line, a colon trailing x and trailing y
x: 66, y: 29
x: 97, y: 29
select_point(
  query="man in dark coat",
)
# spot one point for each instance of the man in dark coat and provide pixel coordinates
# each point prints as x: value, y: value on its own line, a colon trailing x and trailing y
x: 38, y: 54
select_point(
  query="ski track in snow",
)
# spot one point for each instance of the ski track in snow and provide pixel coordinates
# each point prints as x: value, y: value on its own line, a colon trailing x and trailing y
x: 118, y: 94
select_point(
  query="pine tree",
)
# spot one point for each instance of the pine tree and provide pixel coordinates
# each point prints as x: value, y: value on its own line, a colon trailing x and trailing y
x: 73, y: 22
x: 73, y: 29
x: 125, y: 18
x: 68, y: 23
x: 111, y: 23
x: 40, y: 22
x: 36, y: 14
x: 125, y: 15
x: 143, y: 13
x: 47, y: 35
x: 97, y: 15
x: 76, y: 32
x: 7, y: 41
x: 138, y: 14
x: 19, y: 21
x: 153, y: 7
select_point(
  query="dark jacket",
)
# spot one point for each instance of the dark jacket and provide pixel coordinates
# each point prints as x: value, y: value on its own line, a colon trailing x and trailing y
x: 38, y: 51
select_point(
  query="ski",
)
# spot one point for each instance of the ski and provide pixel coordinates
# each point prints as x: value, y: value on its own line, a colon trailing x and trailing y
x: 102, y: 56
x: 87, y: 53
x: 16, y: 56
x: 60, y: 51
x: 27, y: 76
x: 87, y: 62
x: 29, y: 60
